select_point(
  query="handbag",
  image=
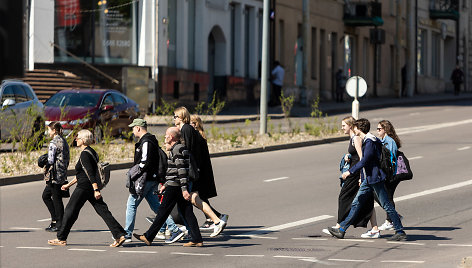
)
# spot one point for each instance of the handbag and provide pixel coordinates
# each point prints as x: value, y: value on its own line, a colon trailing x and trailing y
x: 66, y: 193
x: 403, y: 168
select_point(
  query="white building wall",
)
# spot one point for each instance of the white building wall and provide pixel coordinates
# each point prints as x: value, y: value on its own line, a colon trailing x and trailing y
x: 43, y: 31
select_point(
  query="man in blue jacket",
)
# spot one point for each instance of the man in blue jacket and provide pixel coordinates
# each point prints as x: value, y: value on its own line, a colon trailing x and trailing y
x: 372, y: 180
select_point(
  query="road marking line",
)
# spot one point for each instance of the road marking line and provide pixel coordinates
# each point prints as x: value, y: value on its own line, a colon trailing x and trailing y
x: 256, y: 236
x: 463, y: 148
x: 34, y: 247
x: 315, y: 260
x: 454, y: 245
x: 406, y: 243
x: 244, y: 255
x: 435, y: 190
x: 348, y: 260
x: 48, y: 219
x: 191, y: 254
x: 399, y: 261
x: 431, y: 127
x: 276, y: 179
x: 310, y: 239
x: 416, y: 157
x: 416, y: 113
x: 357, y: 240
x: 286, y: 225
x: 291, y: 257
x: 25, y: 228
x: 87, y: 249
x: 130, y: 251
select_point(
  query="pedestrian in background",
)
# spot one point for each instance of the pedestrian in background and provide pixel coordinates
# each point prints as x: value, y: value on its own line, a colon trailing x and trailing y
x: 278, y: 74
x: 175, y: 191
x: 55, y: 175
x: 146, y: 161
x: 372, y: 181
x: 200, y: 193
x: 340, y: 85
x: 457, y: 78
x: 86, y: 190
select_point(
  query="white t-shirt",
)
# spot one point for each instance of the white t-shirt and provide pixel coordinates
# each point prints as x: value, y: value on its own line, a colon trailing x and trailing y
x: 278, y: 73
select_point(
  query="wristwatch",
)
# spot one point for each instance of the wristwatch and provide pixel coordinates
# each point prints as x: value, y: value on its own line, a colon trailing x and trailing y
x: 96, y: 190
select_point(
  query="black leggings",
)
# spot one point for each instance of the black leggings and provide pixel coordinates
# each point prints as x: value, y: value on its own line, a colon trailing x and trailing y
x: 52, y: 197
x: 76, y: 202
x: 173, y: 195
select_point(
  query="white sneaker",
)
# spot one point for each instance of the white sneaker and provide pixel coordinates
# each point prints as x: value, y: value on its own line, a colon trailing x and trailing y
x: 161, y: 235
x: 386, y: 226
x: 218, y: 228
x: 371, y: 234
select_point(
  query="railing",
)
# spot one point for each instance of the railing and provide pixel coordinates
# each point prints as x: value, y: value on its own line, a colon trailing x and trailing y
x: 444, y: 9
x: 363, y: 14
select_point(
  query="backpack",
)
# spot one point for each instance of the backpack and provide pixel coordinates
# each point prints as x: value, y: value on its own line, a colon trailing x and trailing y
x: 386, y: 163
x: 162, y: 169
x: 103, y: 172
x: 403, y: 168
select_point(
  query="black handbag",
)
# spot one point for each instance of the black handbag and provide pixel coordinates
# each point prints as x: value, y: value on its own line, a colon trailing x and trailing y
x: 404, y: 171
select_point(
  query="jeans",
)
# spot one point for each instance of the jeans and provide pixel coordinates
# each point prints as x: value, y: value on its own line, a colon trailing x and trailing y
x: 153, y: 200
x: 76, y: 202
x: 365, y: 190
x: 172, y: 196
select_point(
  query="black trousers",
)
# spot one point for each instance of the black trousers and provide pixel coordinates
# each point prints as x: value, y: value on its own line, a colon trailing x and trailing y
x: 76, y: 202
x: 457, y: 88
x: 173, y: 195
x: 52, y: 197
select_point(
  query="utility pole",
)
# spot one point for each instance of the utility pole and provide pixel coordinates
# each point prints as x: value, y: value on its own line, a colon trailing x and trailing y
x: 410, y: 48
x: 398, y: 47
x: 265, y: 67
x: 305, y: 35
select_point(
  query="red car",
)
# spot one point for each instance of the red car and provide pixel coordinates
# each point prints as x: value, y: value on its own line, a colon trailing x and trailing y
x: 91, y: 109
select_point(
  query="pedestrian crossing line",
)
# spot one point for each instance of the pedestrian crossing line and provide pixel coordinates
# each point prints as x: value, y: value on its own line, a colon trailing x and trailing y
x: 137, y: 252
x: 291, y: 257
x: 191, y: 254
x: 310, y: 238
x: 33, y: 247
x: 25, y: 228
x: 244, y: 255
x: 416, y: 157
x: 401, y: 261
x: 87, y: 249
x: 48, y: 219
x: 454, y: 245
x: 256, y: 236
x: 463, y: 148
x: 406, y: 243
x: 348, y: 260
x: 276, y: 179
x: 357, y: 240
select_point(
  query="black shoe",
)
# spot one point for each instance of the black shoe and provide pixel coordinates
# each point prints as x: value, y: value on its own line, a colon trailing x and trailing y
x: 398, y: 237
x: 336, y: 232
x: 51, y: 227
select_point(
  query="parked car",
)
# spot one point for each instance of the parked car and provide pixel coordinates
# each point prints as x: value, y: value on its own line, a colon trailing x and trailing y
x: 21, y: 113
x: 95, y: 109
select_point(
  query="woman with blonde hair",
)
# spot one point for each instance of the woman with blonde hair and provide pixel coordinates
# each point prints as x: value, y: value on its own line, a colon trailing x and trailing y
x: 86, y: 190
x: 204, y: 188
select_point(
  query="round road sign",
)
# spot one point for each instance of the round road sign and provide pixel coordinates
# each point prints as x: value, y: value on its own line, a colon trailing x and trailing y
x: 351, y: 86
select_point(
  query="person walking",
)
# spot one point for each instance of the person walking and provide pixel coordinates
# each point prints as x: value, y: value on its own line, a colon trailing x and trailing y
x: 175, y: 191
x: 457, y: 78
x: 340, y: 85
x: 372, y: 181
x: 86, y: 190
x: 278, y: 74
x: 146, y: 162
x: 200, y: 197
x: 56, y: 175
x: 350, y: 185
x: 205, y: 186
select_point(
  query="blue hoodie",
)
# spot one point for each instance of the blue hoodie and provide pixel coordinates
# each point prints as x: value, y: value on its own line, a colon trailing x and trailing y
x: 371, y: 149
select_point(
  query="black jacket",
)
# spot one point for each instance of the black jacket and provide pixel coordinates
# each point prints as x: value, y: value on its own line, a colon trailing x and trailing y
x: 146, y: 155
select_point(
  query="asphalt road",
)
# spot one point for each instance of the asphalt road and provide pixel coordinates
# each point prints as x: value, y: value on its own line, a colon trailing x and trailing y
x: 278, y: 204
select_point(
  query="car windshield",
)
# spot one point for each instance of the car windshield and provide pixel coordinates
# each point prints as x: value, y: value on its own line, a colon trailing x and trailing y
x: 79, y: 99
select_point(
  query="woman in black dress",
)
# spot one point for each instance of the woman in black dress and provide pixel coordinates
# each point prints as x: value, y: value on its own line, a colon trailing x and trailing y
x: 86, y: 190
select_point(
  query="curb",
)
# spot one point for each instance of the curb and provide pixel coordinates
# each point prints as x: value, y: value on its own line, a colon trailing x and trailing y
x: 70, y: 172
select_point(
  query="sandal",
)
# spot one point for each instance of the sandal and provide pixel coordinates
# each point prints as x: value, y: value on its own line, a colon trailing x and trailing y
x: 57, y: 242
x: 118, y: 242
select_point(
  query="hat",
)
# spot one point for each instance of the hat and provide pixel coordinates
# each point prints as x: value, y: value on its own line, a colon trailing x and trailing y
x: 138, y: 122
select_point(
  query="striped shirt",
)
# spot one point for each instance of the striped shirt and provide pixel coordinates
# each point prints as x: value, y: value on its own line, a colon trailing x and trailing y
x: 178, y: 164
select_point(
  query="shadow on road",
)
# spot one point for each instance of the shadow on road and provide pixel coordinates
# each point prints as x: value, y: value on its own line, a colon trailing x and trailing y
x: 437, y: 228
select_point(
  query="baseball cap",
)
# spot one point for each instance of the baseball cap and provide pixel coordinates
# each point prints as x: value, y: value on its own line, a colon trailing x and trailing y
x: 138, y: 122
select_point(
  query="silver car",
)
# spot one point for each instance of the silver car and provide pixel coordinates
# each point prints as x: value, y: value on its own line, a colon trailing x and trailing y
x: 21, y: 113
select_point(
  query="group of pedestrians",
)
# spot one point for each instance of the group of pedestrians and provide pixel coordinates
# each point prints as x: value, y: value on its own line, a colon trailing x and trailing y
x: 363, y: 180
x: 185, y: 143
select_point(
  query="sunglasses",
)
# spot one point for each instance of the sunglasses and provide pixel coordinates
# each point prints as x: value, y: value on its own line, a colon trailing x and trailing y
x: 176, y: 116
x: 379, y: 128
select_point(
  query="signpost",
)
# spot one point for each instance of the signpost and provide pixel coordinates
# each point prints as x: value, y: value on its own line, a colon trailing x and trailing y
x: 356, y: 87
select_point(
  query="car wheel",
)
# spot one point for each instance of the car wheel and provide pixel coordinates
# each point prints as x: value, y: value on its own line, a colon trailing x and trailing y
x: 98, y: 134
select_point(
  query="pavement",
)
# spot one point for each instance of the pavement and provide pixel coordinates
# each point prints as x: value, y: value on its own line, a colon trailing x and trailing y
x: 241, y: 113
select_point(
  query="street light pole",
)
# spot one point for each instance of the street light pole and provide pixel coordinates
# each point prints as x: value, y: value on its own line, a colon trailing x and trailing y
x: 265, y: 65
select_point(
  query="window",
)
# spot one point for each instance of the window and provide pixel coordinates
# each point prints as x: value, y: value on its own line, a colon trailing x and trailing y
x: 20, y: 95
x: 29, y: 93
x: 313, y: 53
x: 233, y: 37
x: 281, y: 41
x: 172, y: 34
x: 191, y: 35
x: 421, y: 53
x: 435, y: 57
x: 8, y: 93
x: 119, y: 100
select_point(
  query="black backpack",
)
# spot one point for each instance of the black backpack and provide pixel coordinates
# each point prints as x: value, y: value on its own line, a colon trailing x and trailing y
x: 161, y: 173
x: 386, y: 163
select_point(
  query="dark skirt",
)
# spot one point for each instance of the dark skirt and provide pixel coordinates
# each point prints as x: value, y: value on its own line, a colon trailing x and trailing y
x: 346, y: 196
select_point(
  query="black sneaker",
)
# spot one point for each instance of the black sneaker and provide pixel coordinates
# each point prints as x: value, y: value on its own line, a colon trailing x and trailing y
x: 399, y: 236
x: 207, y: 225
x: 51, y: 227
x: 336, y: 232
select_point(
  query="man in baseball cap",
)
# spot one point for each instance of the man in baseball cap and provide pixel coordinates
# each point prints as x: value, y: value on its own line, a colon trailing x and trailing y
x: 138, y: 122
